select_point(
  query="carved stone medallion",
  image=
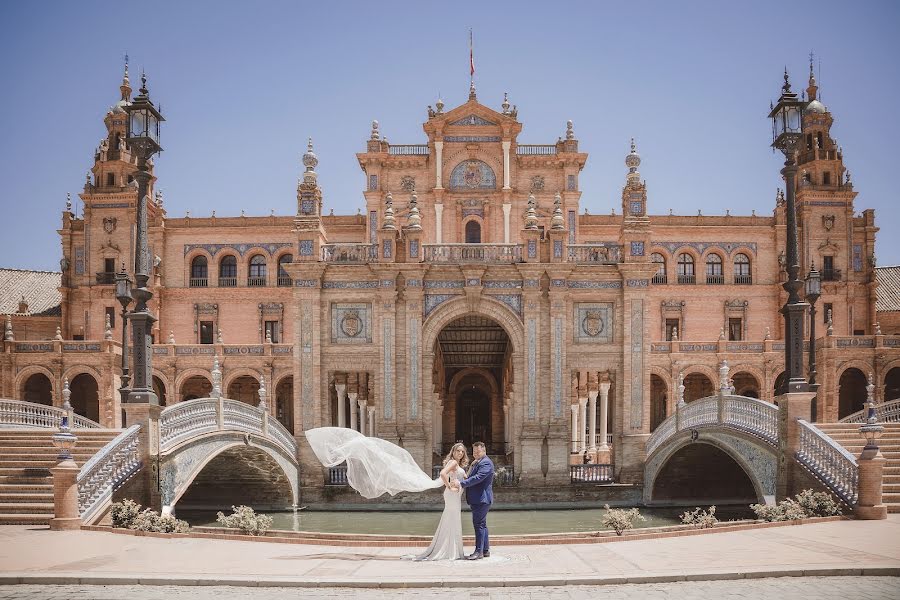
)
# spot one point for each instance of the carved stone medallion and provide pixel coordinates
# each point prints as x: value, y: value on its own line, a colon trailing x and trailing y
x: 351, y: 324
x: 109, y: 224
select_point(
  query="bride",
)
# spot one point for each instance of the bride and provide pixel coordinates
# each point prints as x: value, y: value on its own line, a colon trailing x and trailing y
x: 376, y: 467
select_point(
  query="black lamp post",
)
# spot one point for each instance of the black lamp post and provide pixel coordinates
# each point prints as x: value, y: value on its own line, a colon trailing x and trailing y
x: 143, y: 140
x: 787, y: 132
x: 813, y: 291
x: 123, y: 295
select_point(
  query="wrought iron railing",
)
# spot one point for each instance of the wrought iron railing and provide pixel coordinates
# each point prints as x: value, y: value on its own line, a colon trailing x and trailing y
x: 743, y: 279
x: 829, y: 462
x: 886, y: 412
x: 105, y: 278
x: 18, y: 413
x: 227, y: 281
x: 348, y: 253
x: 536, y: 149
x: 285, y: 281
x: 601, y: 473
x: 659, y: 278
x: 477, y: 253
x: 198, y: 282
x: 107, y: 471
x: 715, y: 280
x: 256, y: 282
x: 595, y: 254
x: 687, y: 279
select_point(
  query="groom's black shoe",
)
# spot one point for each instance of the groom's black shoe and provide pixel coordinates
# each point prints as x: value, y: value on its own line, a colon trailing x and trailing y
x: 475, y: 556
x: 486, y: 554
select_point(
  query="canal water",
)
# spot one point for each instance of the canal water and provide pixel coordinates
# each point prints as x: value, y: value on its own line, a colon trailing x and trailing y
x: 500, y: 522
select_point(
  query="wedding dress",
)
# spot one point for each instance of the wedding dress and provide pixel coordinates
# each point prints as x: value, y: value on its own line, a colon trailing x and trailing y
x: 447, y: 543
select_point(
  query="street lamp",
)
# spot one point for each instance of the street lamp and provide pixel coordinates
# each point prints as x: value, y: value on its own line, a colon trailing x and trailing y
x: 143, y: 140
x: 123, y: 295
x: 813, y: 291
x: 787, y: 131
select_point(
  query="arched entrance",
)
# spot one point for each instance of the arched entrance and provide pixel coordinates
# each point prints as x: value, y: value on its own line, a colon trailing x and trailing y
x: 852, y: 394
x: 696, y: 386
x: 159, y: 388
x: 244, y: 388
x: 472, y: 366
x: 659, y: 396
x: 745, y: 384
x: 85, y: 397
x: 892, y: 384
x: 284, y: 403
x: 705, y: 474
x: 196, y: 386
x: 779, y: 383
x: 38, y: 389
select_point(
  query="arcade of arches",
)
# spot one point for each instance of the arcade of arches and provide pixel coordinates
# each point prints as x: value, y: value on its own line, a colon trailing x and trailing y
x: 38, y: 389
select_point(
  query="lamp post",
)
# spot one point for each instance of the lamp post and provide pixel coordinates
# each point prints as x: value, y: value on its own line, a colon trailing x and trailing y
x: 143, y: 140
x: 123, y: 295
x: 787, y: 132
x: 813, y: 291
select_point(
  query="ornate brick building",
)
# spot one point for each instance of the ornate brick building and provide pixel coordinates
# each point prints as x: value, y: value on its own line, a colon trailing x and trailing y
x: 474, y: 299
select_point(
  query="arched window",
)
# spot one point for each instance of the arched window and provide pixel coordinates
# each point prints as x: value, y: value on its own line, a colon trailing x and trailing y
x: 228, y: 271
x: 473, y: 232
x: 714, y: 274
x: 660, y: 261
x: 257, y: 275
x: 199, y: 272
x: 742, y: 270
x: 283, y: 278
x: 686, y: 268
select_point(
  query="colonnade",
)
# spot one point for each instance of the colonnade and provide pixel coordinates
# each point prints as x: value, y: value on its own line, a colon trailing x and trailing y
x: 584, y: 421
x: 353, y: 409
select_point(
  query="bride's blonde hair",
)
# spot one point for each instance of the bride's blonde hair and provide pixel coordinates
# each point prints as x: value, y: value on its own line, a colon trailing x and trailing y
x: 465, y: 459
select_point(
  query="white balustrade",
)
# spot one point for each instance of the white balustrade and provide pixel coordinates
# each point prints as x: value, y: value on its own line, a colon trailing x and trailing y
x: 829, y: 461
x: 472, y: 253
x: 18, y: 413
x: 107, y: 471
x: 886, y: 412
x: 348, y: 253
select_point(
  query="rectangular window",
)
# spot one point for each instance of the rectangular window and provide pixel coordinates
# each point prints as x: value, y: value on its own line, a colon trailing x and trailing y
x: 271, y: 331
x: 829, y: 273
x: 859, y: 332
x: 671, y: 329
x: 111, y: 313
x: 735, y: 329
x: 109, y: 265
x: 206, y: 332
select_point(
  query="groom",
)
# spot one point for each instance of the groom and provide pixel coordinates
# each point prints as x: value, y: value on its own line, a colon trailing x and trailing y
x: 479, y: 494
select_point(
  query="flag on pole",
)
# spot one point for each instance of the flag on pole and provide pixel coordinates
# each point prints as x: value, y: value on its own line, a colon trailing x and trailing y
x: 471, y: 56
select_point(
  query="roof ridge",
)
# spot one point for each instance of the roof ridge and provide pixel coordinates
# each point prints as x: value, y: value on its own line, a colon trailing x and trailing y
x: 30, y: 270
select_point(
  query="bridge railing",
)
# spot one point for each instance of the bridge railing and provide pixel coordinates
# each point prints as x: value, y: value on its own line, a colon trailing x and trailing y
x: 829, y: 462
x: 886, y: 412
x: 18, y: 413
x: 107, y: 471
x: 741, y: 413
x: 185, y: 420
x: 599, y: 473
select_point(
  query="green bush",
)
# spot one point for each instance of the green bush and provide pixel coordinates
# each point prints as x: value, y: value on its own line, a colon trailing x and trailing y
x: 245, y: 519
x: 819, y: 504
x: 148, y: 520
x: 804, y: 505
x: 619, y: 519
x: 701, y: 519
x: 124, y: 513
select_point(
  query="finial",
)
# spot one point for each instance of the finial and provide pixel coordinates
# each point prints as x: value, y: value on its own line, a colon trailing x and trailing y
x: 557, y: 222
x: 472, y: 91
x: 8, y: 335
x: 768, y: 334
x: 310, y: 161
x: 570, y: 130
x: 671, y: 213
x: 242, y: 213
x: 675, y: 334
x: 69, y: 201
x: 187, y: 214
x: 786, y: 88
x: 58, y: 336
x: 681, y: 390
x: 268, y: 336
x: 439, y: 105
x: 213, y: 214
x: 870, y: 388
x: 878, y: 328
x: 87, y: 179
x: 67, y: 395
x: 216, y: 378
x: 374, y: 135
x: 388, y: 222
x: 505, y: 104
x: 848, y: 180
x: 722, y: 334
x: 531, y: 214
x: 107, y: 335
x: 159, y: 199
x: 125, y: 88
x: 830, y: 321
x: 414, y: 220
x: 219, y: 336
x: 143, y: 89
x: 171, y: 337
x: 263, y: 405
x: 633, y: 161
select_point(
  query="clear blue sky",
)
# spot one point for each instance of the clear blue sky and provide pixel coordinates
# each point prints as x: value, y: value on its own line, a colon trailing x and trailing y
x: 243, y: 84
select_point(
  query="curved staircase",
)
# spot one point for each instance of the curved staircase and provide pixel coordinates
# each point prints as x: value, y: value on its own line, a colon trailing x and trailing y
x: 26, y: 456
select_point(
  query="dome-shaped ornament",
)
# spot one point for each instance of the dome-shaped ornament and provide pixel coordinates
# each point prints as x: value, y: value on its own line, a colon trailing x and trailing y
x: 310, y: 160
x: 389, y: 222
x: 557, y: 222
x: 414, y: 220
x: 531, y: 214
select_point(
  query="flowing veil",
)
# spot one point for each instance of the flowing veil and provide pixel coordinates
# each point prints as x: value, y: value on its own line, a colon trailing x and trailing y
x: 374, y: 466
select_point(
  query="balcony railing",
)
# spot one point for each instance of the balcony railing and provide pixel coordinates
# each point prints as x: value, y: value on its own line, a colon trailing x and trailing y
x: 285, y: 282
x: 227, y: 281
x: 594, y: 254
x: 337, y: 475
x: 660, y: 278
x: 536, y: 149
x: 831, y: 275
x: 689, y: 279
x: 743, y: 279
x: 348, y: 253
x: 198, y: 282
x: 472, y: 253
x: 105, y: 278
x: 715, y: 280
x: 256, y: 282
x: 409, y: 150
x: 591, y: 473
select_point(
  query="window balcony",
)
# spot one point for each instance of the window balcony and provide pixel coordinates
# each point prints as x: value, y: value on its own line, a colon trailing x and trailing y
x: 595, y: 254
x: 827, y: 275
x: 227, y: 281
x: 198, y: 282
x: 715, y: 280
x: 660, y: 278
x: 106, y: 278
x: 348, y: 253
x: 256, y: 282
x: 472, y: 253
x: 743, y: 279
x: 687, y: 279
x: 285, y: 282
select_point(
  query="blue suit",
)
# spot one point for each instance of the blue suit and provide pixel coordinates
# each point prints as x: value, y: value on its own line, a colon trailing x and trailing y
x: 480, y: 496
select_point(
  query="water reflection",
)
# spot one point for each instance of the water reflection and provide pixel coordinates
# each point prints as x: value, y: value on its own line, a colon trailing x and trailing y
x: 501, y: 522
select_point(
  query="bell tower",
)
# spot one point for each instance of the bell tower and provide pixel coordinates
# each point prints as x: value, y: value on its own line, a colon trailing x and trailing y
x: 636, y: 223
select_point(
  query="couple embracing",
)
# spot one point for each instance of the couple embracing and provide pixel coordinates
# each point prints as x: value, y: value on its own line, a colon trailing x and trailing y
x: 376, y: 467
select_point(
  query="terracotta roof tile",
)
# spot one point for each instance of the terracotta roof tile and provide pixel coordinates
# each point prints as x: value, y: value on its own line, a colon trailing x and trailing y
x: 39, y: 288
x: 888, y: 294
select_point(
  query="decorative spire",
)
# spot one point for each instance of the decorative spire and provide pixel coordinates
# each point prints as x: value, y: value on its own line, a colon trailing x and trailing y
x: 439, y: 105
x: 531, y: 214
x: 813, y: 90
x: 786, y: 88
x: 216, y: 378
x: 310, y: 161
x: 159, y: 199
x: 69, y: 201
x: 374, y: 135
x: 414, y: 220
x: 8, y: 335
x: 633, y: 161
x: 557, y: 222
x: 505, y: 104
x: 125, y: 88
x: 472, y: 91
x: 263, y: 405
x: 171, y: 337
x: 570, y: 130
x: 219, y: 336
x: 388, y: 222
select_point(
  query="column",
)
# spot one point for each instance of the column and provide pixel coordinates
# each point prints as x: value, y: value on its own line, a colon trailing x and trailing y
x: 341, y: 390
x: 438, y: 155
x: 574, y: 408
x: 371, y: 421
x: 438, y: 427
x: 362, y: 416
x: 506, y: 209
x: 352, y: 396
x: 592, y: 413
x: 506, y: 145
x: 582, y: 405
x: 438, y: 223
x: 604, y: 416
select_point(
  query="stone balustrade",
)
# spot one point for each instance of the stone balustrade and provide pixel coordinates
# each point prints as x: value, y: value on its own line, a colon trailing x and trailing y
x: 18, y: 413
x: 107, y: 471
x: 472, y: 253
x: 829, y: 461
x: 887, y: 412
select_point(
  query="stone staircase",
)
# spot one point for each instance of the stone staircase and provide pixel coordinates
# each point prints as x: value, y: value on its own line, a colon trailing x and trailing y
x: 26, y: 456
x: 847, y: 435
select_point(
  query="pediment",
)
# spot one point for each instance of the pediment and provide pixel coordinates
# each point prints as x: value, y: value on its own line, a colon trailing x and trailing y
x: 474, y: 114
x: 472, y: 119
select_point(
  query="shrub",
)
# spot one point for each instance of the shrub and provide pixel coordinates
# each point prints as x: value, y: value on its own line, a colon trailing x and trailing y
x: 148, y: 520
x: 123, y: 513
x: 701, y: 519
x: 245, y: 519
x: 768, y: 512
x: 819, y: 504
x: 619, y: 519
x: 804, y: 505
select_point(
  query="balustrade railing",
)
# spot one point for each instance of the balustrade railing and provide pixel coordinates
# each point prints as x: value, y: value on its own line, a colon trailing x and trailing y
x: 18, y: 413
x: 886, y: 412
x: 743, y: 280
x: 752, y: 416
x: 285, y: 281
x: 595, y: 254
x: 256, y: 282
x: 409, y: 150
x: 198, y: 282
x: 591, y: 473
x: 337, y: 475
x: 829, y: 462
x: 348, y: 253
x: 478, y: 253
x: 663, y: 432
x: 536, y: 149
x: 107, y: 471
x: 227, y: 281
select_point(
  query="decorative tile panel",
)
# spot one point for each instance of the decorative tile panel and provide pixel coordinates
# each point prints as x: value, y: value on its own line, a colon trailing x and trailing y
x: 441, y: 283
x: 557, y: 367
x: 284, y: 349
x: 414, y: 248
x: 306, y: 283
x: 306, y: 247
x: 349, y: 285
x: 571, y: 183
x: 558, y: 283
x: 471, y: 138
x: 514, y: 301
x: 413, y: 283
x: 79, y: 260
x: 557, y: 249
x: 857, y: 257
x: 473, y: 281
x: 637, y: 363
x: 532, y: 283
x: 307, y: 206
x: 639, y: 283
x: 472, y: 120
x: 81, y: 347
x: 386, y: 283
x: 572, y: 219
x: 637, y: 248
x: 413, y: 369
x: 856, y: 342
x: 683, y: 347
x: 373, y: 227
x: 593, y: 322
x: 387, y: 249
x: 241, y: 248
x: 307, y: 397
x: 508, y: 284
x: 373, y: 182
x: 160, y: 350
x: 243, y: 350
x: 531, y: 384
x: 473, y: 174
x: 432, y: 301
x: 701, y: 247
x: 741, y: 347
x: 660, y: 347
x: 388, y: 352
x: 532, y: 248
x: 351, y: 323
x: 602, y: 285
x: 39, y: 347
x: 194, y: 350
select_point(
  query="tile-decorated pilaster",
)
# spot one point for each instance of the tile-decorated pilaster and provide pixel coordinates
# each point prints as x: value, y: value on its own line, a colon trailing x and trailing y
x: 415, y: 432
